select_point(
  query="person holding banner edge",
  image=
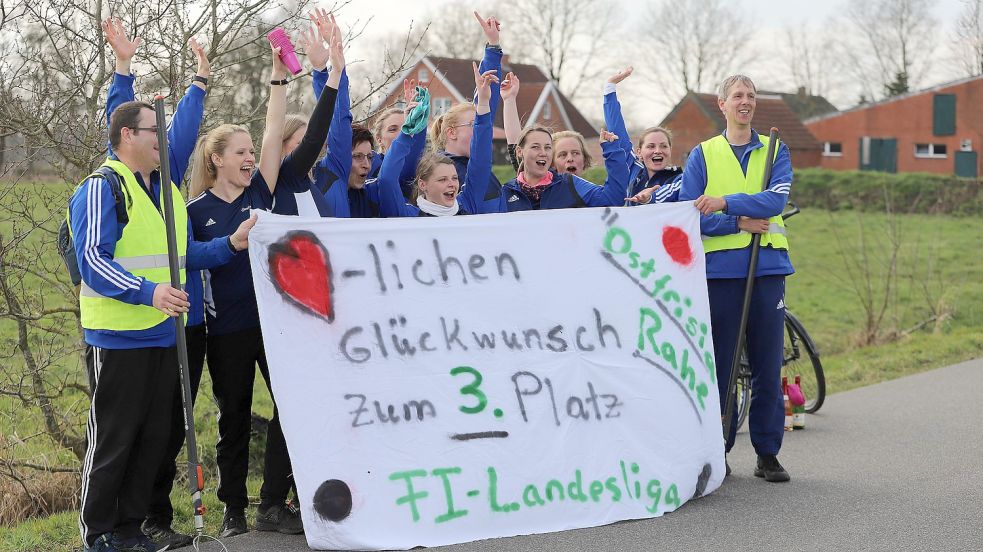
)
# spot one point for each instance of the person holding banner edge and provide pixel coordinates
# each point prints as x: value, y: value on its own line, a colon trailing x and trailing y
x: 723, y: 175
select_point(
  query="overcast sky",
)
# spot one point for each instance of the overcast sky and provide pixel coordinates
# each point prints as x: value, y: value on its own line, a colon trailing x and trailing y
x: 391, y: 17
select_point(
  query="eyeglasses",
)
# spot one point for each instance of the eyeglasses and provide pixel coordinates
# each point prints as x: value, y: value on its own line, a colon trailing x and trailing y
x: 471, y: 124
x: 363, y: 156
x: 151, y: 129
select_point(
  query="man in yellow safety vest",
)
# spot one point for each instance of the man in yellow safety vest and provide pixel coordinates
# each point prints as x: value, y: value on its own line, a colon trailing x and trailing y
x: 724, y: 175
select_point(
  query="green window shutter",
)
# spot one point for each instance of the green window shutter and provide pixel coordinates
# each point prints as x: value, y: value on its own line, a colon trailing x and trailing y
x: 944, y: 115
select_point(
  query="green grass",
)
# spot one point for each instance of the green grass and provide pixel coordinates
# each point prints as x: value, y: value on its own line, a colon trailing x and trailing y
x: 819, y: 294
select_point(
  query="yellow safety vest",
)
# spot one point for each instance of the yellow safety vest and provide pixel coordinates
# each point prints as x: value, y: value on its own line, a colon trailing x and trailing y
x: 724, y: 177
x: 141, y: 250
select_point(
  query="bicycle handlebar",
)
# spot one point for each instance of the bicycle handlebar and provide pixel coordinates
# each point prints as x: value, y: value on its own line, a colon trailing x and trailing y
x: 794, y: 210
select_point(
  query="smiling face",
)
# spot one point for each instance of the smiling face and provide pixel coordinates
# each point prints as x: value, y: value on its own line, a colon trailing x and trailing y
x: 569, y: 157
x: 536, y: 153
x: 738, y: 106
x: 389, y: 129
x: 655, y: 151
x: 442, y: 186
x: 141, y: 146
x: 237, y: 162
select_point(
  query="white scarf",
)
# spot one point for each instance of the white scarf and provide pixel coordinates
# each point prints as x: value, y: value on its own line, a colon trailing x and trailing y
x: 435, y: 209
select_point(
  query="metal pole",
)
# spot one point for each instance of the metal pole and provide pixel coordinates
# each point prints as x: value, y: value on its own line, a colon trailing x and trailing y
x: 196, y: 481
x: 735, y: 365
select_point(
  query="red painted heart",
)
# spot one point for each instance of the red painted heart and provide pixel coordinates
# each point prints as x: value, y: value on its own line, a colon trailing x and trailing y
x: 675, y: 240
x: 301, y: 271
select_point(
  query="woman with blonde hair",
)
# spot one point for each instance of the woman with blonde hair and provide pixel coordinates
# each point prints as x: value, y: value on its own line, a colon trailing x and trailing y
x: 229, y: 184
x: 437, y: 182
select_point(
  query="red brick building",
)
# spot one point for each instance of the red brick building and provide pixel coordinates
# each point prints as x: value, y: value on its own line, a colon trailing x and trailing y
x: 540, y: 102
x: 697, y: 117
x: 938, y: 130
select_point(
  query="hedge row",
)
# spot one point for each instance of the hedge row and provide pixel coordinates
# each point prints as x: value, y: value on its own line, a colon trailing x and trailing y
x: 874, y: 191
x: 865, y: 191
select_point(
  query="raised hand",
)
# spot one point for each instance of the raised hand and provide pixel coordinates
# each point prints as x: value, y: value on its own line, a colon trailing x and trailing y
x: 312, y: 45
x: 490, y: 26
x: 510, y: 87
x: 279, y: 69
x: 409, y: 92
x: 336, y: 48
x: 204, y: 68
x: 123, y: 47
x: 621, y: 75
x: 483, y: 82
x: 322, y: 21
x: 608, y: 136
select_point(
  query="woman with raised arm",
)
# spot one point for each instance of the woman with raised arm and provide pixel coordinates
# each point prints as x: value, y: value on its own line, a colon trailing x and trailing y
x: 570, y: 153
x: 451, y: 132
x: 651, y: 177
x: 303, y: 139
x: 387, y: 128
x: 229, y: 184
x: 438, y: 185
x: 539, y: 186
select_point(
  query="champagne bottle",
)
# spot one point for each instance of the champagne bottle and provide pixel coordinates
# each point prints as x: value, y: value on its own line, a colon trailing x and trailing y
x: 788, y: 405
x: 799, y: 410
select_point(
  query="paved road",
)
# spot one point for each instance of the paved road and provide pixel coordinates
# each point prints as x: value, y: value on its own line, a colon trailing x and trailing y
x: 894, y: 466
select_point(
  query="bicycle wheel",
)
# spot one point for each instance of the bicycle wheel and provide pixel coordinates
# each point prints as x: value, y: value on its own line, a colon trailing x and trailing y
x: 801, y: 358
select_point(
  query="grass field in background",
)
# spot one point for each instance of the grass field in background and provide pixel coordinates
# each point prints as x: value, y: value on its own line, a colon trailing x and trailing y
x: 937, y: 254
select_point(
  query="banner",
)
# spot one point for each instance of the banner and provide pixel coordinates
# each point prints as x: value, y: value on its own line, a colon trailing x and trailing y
x: 443, y: 380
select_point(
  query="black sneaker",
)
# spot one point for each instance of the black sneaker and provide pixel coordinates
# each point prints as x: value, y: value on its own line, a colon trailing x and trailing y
x: 162, y: 535
x: 141, y: 543
x: 771, y: 469
x: 279, y: 518
x: 234, y: 523
x: 102, y: 544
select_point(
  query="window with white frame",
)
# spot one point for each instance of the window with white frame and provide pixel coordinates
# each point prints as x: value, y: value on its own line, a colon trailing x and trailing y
x: 423, y: 75
x: 931, y: 151
x: 440, y: 106
x: 833, y: 149
x: 547, y: 110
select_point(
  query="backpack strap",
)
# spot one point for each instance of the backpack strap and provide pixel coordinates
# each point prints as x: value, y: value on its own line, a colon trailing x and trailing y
x: 123, y: 201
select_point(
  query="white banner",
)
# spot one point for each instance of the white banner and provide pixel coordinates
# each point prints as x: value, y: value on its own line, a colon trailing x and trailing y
x: 443, y: 380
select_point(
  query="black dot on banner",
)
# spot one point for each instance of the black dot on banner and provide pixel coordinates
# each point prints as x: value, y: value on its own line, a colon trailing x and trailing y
x: 498, y: 413
x: 701, y: 481
x: 333, y: 500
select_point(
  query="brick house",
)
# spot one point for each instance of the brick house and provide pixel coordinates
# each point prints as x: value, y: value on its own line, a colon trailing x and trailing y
x: 937, y: 130
x: 697, y: 117
x: 540, y: 102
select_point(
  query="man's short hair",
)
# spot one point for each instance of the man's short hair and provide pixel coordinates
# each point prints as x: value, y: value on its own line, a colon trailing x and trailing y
x: 361, y: 134
x: 126, y: 115
x: 730, y: 82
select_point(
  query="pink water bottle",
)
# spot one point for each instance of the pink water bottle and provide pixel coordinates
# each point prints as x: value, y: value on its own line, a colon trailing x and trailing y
x: 278, y: 38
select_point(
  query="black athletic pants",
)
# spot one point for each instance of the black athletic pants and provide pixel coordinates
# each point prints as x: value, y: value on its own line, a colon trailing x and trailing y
x: 161, y: 512
x: 129, y: 421
x: 232, y: 360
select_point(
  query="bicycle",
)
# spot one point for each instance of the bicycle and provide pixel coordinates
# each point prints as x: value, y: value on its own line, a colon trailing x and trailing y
x: 797, y: 342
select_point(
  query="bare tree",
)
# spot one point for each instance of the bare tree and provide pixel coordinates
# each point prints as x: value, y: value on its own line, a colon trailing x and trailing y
x: 809, y: 59
x: 968, y: 38
x: 564, y: 37
x: 887, y: 44
x: 701, y: 41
